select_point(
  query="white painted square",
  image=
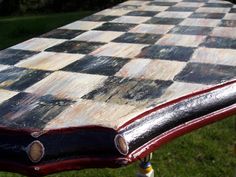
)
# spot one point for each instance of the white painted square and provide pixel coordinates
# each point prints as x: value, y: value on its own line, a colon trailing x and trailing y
x: 122, y: 50
x: 113, y: 12
x: 213, y: 10
x: 189, y: 4
x: 98, y: 36
x: 6, y: 94
x: 215, y: 56
x: 136, y: 3
x: 230, y: 16
x: 3, y: 67
x: 38, y: 44
x: 153, y: 8
x: 170, y: 14
x: 151, y: 69
x: 82, y: 25
x: 181, y: 40
x: 67, y: 85
x: 228, y: 32
x: 200, y: 22
x: 152, y: 29
x: 131, y: 19
x: 50, y: 61
x: 179, y: 89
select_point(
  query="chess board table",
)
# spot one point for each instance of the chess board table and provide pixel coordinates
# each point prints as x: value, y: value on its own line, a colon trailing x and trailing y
x: 113, y: 87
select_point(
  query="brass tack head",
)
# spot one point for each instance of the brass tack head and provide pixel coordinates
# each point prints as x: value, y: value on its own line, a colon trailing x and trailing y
x: 36, y: 151
x: 121, y: 145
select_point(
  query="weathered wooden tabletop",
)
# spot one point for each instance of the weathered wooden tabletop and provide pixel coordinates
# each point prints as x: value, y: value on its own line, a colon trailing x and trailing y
x: 107, y: 69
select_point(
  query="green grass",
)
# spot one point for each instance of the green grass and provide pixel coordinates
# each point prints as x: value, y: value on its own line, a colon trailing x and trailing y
x: 17, y: 29
x: 208, y: 152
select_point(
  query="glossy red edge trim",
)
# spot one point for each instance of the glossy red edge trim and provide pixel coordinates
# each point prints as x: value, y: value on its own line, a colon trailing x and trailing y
x: 180, y: 130
x: 65, y: 165
x: 175, y: 101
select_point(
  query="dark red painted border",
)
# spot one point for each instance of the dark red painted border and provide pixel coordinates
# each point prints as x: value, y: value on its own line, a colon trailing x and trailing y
x: 65, y: 165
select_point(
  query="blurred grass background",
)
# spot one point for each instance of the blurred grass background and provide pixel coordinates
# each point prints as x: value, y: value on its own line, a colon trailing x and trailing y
x: 208, y: 152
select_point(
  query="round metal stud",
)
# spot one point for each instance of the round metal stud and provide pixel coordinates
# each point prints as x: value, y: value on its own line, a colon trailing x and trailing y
x: 121, y: 145
x: 36, y: 151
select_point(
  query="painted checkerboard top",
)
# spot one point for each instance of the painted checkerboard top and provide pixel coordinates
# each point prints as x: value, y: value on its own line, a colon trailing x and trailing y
x: 111, y: 66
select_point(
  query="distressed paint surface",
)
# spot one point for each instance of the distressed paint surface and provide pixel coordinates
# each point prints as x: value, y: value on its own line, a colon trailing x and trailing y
x: 98, y: 36
x: 97, y: 65
x: 200, y: 22
x: 152, y: 29
x: 14, y: 78
x: 62, y: 34
x: 227, y: 32
x: 181, y: 40
x: 131, y: 19
x: 37, y: 44
x: 12, y: 56
x: 116, y: 27
x: 49, y: 61
x: 28, y: 110
x: 76, y: 47
x: 82, y: 25
x: 87, y: 112
x: 167, y: 52
x: 165, y: 21
x: 6, y: 94
x: 67, y: 85
x: 215, y: 56
x: 122, y: 50
x: 151, y: 69
x: 111, y: 66
x: 128, y: 91
x: 140, y: 38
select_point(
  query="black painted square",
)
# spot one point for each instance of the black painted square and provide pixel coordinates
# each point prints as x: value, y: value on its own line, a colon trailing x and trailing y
x: 219, y: 42
x: 218, y: 5
x: 207, y: 15
x: 191, y: 30
x: 228, y: 23
x: 14, y: 78
x: 167, y: 52
x: 27, y: 110
x: 13, y: 56
x: 195, y: 0
x: 120, y: 90
x: 76, y: 47
x: 162, y: 3
x: 97, y: 65
x: 99, y: 18
x: 142, y: 13
x: 127, y: 7
x: 63, y: 34
x: 206, y: 73
x: 233, y: 10
x: 182, y: 9
x: 141, y: 38
x: 116, y: 27
x: 165, y: 21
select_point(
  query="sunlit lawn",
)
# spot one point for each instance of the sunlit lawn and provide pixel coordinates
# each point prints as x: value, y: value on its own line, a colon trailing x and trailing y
x: 208, y: 152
